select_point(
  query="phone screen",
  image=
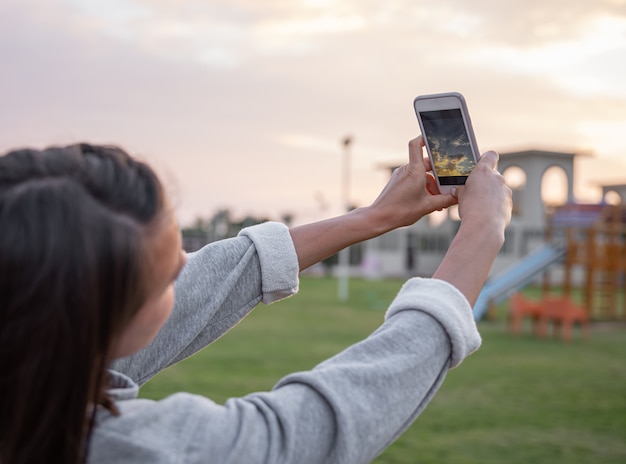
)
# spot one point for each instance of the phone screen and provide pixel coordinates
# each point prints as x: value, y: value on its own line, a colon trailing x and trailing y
x: 449, y: 145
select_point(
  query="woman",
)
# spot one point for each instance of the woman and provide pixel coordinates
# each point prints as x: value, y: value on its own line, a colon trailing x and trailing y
x: 89, y: 252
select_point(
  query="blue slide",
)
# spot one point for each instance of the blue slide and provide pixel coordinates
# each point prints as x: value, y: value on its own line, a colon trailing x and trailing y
x: 501, y: 286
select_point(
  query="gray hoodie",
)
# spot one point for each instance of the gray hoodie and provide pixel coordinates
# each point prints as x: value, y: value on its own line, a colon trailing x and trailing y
x: 345, y: 410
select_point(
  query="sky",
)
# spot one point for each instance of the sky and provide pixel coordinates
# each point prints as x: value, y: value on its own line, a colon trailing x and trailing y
x: 244, y: 104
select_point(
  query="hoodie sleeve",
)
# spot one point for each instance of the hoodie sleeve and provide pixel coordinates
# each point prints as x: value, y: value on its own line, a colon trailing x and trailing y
x: 219, y: 286
x: 349, y: 408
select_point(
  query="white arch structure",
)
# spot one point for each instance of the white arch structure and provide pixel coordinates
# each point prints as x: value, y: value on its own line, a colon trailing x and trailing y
x: 535, y: 163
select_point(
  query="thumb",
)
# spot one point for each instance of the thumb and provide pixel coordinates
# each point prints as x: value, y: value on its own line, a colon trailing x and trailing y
x: 439, y: 202
x: 490, y: 158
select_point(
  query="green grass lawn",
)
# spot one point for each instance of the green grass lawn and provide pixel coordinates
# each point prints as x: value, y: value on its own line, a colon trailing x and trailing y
x: 517, y: 400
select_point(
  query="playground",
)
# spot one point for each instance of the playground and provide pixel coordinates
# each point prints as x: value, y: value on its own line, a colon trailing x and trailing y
x: 586, y: 245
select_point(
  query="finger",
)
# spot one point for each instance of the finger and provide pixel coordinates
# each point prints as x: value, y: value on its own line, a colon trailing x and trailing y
x: 427, y: 164
x: 415, y: 150
x: 443, y: 201
x: 416, y: 157
x: 431, y: 185
x: 490, y: 159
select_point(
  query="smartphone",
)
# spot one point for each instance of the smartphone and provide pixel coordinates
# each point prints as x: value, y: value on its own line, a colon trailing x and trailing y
x: 449, y: 138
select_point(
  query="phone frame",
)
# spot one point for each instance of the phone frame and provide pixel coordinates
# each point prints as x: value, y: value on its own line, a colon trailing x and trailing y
x: 442, y: 102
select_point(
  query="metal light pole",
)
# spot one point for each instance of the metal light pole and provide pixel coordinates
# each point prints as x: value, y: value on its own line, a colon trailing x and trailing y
x: 343, y: 273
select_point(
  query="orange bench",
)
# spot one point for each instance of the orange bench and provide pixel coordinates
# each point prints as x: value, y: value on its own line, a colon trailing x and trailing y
x: 563, y: 314
x: 559, y: 311
x: 520, y: 308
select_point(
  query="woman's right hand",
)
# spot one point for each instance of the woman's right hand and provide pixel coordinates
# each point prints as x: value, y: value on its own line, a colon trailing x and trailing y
x: 485, y: 199
x: 485, y: 209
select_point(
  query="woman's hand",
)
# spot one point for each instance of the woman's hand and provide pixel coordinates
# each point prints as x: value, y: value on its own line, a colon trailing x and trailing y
x: 485, y: 199
x: 411, y: 193
x: 485, y: 208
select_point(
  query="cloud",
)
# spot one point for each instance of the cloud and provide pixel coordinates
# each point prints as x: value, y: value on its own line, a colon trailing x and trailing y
x: 257, y: 95
x: 587, y: 64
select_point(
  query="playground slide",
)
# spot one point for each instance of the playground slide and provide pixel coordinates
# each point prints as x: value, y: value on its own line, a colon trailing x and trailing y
x: 501, y: 286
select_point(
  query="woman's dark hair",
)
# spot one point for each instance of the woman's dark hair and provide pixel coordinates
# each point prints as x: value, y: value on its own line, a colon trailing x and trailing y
x: 72, y: 231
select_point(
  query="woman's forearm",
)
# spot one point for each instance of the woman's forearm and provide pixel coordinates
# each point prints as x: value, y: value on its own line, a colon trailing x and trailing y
x: 468, y: 261
x: 319, y: 240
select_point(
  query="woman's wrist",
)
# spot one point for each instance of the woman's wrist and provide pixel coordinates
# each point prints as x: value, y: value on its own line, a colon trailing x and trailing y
x: 474, y: 248
x: 373, y: 221
x: 485, y: 232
